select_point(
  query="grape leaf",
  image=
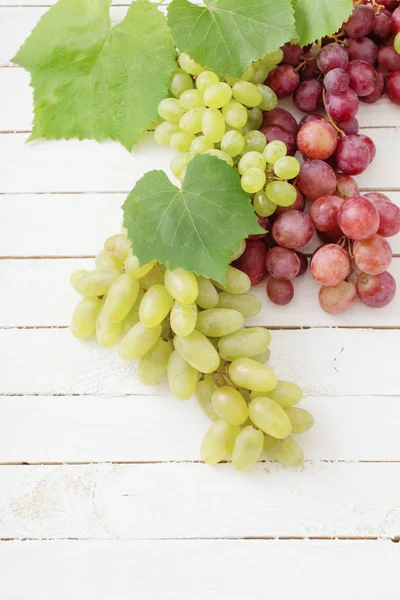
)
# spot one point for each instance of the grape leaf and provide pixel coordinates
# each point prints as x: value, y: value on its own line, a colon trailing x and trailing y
x: 196, y: 227
x: 318, y: 18
x: 92, y: 80
x: 227, y: 35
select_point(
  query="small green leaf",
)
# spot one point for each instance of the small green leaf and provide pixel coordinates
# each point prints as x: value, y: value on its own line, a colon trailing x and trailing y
x: 228, y: 35
x: 318, y: 18
x: 94, y: 81
x: 197, y: 227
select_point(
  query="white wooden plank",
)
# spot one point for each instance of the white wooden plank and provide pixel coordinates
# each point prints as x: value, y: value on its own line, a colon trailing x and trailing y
x: 50, y: 429
x: 330, y: 362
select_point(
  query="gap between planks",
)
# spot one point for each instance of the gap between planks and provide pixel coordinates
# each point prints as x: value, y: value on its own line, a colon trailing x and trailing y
x: 283, y: 538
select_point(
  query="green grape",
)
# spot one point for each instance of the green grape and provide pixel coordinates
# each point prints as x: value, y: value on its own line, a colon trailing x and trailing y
x: 181, y: 81
x: 232, y: 143
x: 154, y: 277
x: 247, y: 304
x: 213, y: 125
x: 287, y: 451
x: 189, y: 65
x: 107, y: 332
x: 138, y: 341
x: 121, y: 296
x: 105, y: 260
x: 118, y: 245
x: 182, y: 285
x: 208, y: 295
x: 248, y: 448
x: 235, y: 114
x: 218, y: 442
x: 287, y: 167
x: 183, y: 318
x: 396, y: 43
x: 253, y: 180
x: 76, y: 275
x: 274, y: 151
x: 96, y: 282
x: 155, y: 306
x: 191, y: 122
x: 84, y: 318
x: 153, y: 365
x: 204, y: 391
x: 179, y: 163
x: 286, y: 394
x: 281, y: 193
x: 133, y: 268
x: 182, y: 377
x: 270, y: 99
x: 263, y: 358
x: 263, y: 206
x: 260, y: 72
x: 170, y: 110
x: 181, y: 141
x: 254, y: 142
x: 164, y: 131
x: 221, y: 155
x: 237, y: 253
x: 247, y: 93
x: 198, y: 351
x: 268, y: 416
x: 217, y: 95
x: 230, y: 405
x: 254, y: 118
x: 252, y: 375
x: 205, y: 80
x: 274, y: 58
x: 251, y: 160
x: 231, y: 80
x: 219, y: 321
x: 200, y: 145
x: 192, y: 99
x: 236, y: 282
x: 245, y: 343
x: 300, y: 419
x: 133, y: 315
x: 248, y: 74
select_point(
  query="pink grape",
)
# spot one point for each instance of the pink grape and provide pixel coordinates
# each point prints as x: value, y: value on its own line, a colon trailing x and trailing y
x: 303, y: 263
x: 396, y: 21
x: 263, y: 222
x: 389, y: 4
x: 332, y: 56
x: 317, y: 139
x: 360, y: 23
x: 389, y: 214
x: 324, y: 212
x: 349, y: 127
x: 352, y: 155
x: 292, y: 54
x: 383, y: 25
x: 299, y: 204
x: 388, y: 59
x: 372, y: 256
x: 363, y: 49
x: 346, y: 186
x: 308, y: 96
x: 293, y: 229
x: 332, y: 236
x: 370, y: 144
x: 283, y: 118
x: 283, y: 263
x: 358, y: 218
x: 310, y: 71
x: 252, y: 261
x: 330, y: 265
x: 342, y: 107
x: 280, y: 291
x: 376, y: 291
x: 274, y: 132
x: 362, y: 77
x: 310, y: 118
x: 335, y: 300
x: 393, y: 86
x: 378, y: 90
x: 283, y: 81
x: 316, y: 179
x: 336, y: 81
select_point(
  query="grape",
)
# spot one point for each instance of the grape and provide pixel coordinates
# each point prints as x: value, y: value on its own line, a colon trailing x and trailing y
x: 247, y: 93
x: 191, y: 122
x: 283, y: 118
x: 208, y: 295
x: 293, y: 229
x: 138, y: 341
x: 352, y: 155
x: 333, y: 236
x: 204, y: 392
x: 303, y: 263
x: 292, y: 54
x: 268, y: 416
x: 247, y: 304
x: 324, y: 212
x: 287, y: 167
x: 107, y: 332
x: 316, y: 179
x: 264, y: 224
x: 389, y: 4
x: 360, y: 23
x: 263, y: 206
x: 287, y: 451
x: 298, y: 204
x: 105, y: 260
x: 349, y: 127
x: 253, y: 180
x: 396, y: 21
x: 153, y: 365
x: 317, y: 140
x: 181, y: 285
x: 261, y: 71
x: 389, y: 214
x: 235, y: 114
x: 378, y: 90
x: 393, y: 86
x: 198, y: 351
x: 239, y: 251
x: 358, y: 218
x: 213, y: 125
x: 300, y: 419
x: 217, y: 95
x: 218, y: 442
x: 337, y: 299
x: 342, y: 107
x: 336, y: 81
x: 274, y: 151
x: 76, y: 275
x: 283, y: 263
x: 332, y: 56
x: 205, y: 80
x: 181, y: 81
x: 216, y: 322
x: 252, y: 375
x: 254, y: 117
x: 192, y: 99
x: 254, y: 142
x: 233, y: 143
x: 181, y: 141
x: 308, y: 96
x: 383, y: 26
x: 230, y: 405
x: 133, y: 268
x: 121, y: 296
x: 373, y: 256
x: 370, y: 144
x: 155, y: 306
x: 330, y: 265
x: 245, y: 343
x: 133, y: 316
x: 263, y: 358
x: 251, y: 160
x: 346, y: 186
x: 275, y: 133
x: 376, y: 291
x: 179, y: 163
x: 283, y: 81
x: 310, y: 71
x: 362, y: 77
x: 201, y: 144
x: 280, y: 291
x: 221, y: 155
x: 236, y: 282
x: 182, y: 378
x: 286, y: 394
x: 189, y: 65
x: 183, y: 318
x: 96, y: 282
x: 281, y: 193
x: 309, y: 118
x: 396, y: 43
x: 118, y: 245
x: 83, y: 324
x: 270, y: 100
x: 388, y: 59
x: 362, y: 49
x: 170, y: 110
x: 248, y: 447
x: 252, y: 261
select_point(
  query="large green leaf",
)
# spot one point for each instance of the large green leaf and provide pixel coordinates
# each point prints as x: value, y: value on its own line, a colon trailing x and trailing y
x: 197, y: 227
x: 318, y: 18
x: 227, y: 35
x: 94, y: 81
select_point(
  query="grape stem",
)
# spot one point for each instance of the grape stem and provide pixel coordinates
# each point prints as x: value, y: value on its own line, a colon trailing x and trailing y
x: 331, y: 121
x: 307, y: 59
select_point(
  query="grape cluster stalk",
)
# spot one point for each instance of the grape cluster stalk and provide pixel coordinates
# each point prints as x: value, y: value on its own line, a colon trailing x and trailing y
x: 191, y: 329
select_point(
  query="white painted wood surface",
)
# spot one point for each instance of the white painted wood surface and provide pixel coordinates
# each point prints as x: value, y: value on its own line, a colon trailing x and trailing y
x: 121, y: 472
